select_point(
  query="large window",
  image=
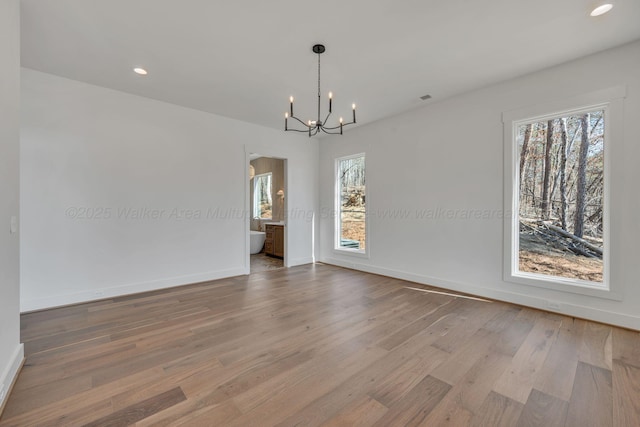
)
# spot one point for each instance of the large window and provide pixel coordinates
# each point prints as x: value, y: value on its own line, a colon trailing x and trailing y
x: 556, y: 195
x: 262, y: 196
x: 561, y: 196
x: 351, y: 204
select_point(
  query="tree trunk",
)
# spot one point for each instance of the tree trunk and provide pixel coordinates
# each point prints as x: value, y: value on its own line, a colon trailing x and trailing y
x: 533, y: 154
x: 523, y: 152
x: 547, y: 171
x: 581, y: 185
x: 594, y: 248
x: 563, y: 174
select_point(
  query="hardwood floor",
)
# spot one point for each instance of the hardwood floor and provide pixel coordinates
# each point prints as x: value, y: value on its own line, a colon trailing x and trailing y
x: 320, y: 346
x: 262, y: 262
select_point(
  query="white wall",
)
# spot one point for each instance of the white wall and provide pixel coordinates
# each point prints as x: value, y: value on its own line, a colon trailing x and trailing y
x: 11, y: 351
x: 449, y: 155
x: 91, y: 157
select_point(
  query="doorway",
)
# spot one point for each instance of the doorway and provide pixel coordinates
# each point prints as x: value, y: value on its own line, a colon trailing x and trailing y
x: 267, y: 212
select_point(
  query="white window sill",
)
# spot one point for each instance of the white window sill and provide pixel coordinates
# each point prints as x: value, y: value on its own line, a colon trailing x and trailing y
x: 351, y: 252
x: 563, y: 284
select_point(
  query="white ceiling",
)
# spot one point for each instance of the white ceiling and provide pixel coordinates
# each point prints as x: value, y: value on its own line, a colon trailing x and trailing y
x: 243, y: 58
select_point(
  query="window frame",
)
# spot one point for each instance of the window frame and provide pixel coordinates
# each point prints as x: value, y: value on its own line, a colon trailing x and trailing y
x: 338, y: 211
x: 611, y: 101
x: 256, y: 205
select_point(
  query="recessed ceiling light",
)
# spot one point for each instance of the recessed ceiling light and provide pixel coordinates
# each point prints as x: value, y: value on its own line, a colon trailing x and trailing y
x: 602, y: 9
x: 140, y: 71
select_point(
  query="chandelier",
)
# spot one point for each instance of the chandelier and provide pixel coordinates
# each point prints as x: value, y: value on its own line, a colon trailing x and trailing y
x: 313, y: 127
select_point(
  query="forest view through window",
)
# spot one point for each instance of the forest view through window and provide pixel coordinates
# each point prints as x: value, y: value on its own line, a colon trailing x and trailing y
x: 561, y: 196
x: 351, y: 221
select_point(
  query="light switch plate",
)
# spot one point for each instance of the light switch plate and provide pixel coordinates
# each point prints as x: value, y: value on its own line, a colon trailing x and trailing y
x: 14, y: 225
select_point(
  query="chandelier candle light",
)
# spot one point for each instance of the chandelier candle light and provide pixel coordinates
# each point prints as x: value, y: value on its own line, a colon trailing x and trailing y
x: 313, y: 127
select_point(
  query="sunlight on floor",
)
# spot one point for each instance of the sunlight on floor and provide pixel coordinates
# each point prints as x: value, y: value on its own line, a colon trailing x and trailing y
x: 447, y: 293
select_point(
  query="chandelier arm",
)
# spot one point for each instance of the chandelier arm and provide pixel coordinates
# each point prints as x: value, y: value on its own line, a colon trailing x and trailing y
x: 326, y: 130
x: 338, y: 127
x: 326, y: 118
x: 303, y: 123
x: 298, y: 130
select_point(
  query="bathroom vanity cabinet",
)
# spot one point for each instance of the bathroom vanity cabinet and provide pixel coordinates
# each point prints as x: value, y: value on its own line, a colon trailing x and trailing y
x: 274, y: 241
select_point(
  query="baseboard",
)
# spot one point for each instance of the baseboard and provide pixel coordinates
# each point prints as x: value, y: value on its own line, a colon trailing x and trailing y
x: 300, y: 261
x: 574, y: 310
x: 120, y: 290
x: 10, y: 375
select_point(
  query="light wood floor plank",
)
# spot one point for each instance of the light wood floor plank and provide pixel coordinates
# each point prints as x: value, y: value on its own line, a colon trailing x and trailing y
x: 416, y: 405
x: 559, y: 369
x: 360, y: 413
x: 498, y: 411
x: 543, y: 410
x: 626, y: 346
x: 140, y: 410
x: 470, y: 391
x: 591, y: 402
x: 512, y: 336
x: 473, y: 350
x: 396, y: 384
x: 597, y: 345
x: 518, y: 380
x: 626, y: 389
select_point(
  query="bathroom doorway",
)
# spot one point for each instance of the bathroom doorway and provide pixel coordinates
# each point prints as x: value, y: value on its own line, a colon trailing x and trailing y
x: 267, y: 208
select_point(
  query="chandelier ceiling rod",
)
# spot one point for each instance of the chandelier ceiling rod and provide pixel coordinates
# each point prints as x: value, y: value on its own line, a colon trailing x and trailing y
x: 313, y: 127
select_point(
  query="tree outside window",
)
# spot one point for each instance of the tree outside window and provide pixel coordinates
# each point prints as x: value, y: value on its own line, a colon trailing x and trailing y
x: 351, y: 203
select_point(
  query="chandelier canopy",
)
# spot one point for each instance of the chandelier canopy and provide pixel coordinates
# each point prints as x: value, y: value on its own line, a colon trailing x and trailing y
x: 313, y: 127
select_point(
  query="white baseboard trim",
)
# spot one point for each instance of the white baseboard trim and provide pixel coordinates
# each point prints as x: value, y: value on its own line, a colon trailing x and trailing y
x: 120, y: 290
x: 583, y: 312
x: 10, y: 374
x: 300, y: 261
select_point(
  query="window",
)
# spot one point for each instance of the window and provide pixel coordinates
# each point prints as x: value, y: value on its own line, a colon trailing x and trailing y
x: 262, y: 196
x: 556, y: 229
x: 351, y: 204
x: 561, y: 196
